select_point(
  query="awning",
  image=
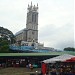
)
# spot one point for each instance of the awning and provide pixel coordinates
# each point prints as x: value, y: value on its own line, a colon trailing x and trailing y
x: 71, y: 60
x: 60, y: 58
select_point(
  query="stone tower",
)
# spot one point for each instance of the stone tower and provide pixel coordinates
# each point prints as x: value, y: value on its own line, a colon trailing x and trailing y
x: 32, y: 23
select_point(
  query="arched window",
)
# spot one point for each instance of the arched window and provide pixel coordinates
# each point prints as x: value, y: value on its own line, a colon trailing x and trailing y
x: 33, y: 17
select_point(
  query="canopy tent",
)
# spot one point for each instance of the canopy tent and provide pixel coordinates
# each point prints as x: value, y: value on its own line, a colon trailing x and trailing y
x: 60, y: 58
x: 71, y: 60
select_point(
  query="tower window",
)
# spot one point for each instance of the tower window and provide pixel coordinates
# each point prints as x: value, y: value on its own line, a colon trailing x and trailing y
x: 33, y: 17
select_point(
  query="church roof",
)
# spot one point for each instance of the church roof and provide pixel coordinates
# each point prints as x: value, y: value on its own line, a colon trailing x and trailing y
x: 19, y: 32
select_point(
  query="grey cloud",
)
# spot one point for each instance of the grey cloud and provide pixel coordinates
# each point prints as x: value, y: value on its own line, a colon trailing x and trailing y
x: 58, y: 37
x: 52, y: 14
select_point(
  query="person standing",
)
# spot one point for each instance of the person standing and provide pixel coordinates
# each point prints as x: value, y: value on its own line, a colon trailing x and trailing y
x: 31, y: 66
x: 44, y: 68
x: 53, y: 72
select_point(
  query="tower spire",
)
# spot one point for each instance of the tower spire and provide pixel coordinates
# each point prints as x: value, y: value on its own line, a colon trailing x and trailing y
x: 37, y: 4
x: 32, y: 23
x: 31, y: 3
x: 34, y: 6
x: 28, y: 5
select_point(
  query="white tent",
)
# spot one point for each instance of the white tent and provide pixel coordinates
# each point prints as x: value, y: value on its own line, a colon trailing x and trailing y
x: 61, y: 58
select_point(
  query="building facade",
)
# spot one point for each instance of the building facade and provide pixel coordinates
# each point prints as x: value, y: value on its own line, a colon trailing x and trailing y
x: 30, y: 33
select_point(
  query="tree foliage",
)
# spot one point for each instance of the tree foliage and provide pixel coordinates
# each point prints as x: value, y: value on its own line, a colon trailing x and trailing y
x: 4, y: 46
x: 6, y: 38
x: 7, y: 34
x: 69, y: 49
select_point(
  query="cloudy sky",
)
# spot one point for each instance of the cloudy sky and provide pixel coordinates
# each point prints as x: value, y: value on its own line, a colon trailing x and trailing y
x: 56, y: 20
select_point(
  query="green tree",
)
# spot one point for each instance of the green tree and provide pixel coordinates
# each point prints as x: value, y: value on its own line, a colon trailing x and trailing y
x: 7, y: 34
x: 69, y: 49
x: 4, y: 46
x: 6, y: 38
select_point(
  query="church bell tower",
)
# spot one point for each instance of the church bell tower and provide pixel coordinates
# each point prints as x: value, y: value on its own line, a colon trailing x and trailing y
x: 32, y: 23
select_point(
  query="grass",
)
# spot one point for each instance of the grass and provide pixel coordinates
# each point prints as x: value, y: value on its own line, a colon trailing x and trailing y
x: 18, y: 71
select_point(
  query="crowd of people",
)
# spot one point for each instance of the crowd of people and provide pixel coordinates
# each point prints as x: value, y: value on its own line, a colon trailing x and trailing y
x: 46, y: 70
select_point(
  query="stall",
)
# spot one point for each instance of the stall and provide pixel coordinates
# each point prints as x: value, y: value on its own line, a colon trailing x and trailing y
x: 64, y: 63
x: 60, y: 58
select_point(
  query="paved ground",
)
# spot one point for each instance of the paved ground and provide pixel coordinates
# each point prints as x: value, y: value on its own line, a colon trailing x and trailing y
x: 18, y: 71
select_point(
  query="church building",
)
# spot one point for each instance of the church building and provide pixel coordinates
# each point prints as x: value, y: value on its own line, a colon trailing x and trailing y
x: 29, y: 35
